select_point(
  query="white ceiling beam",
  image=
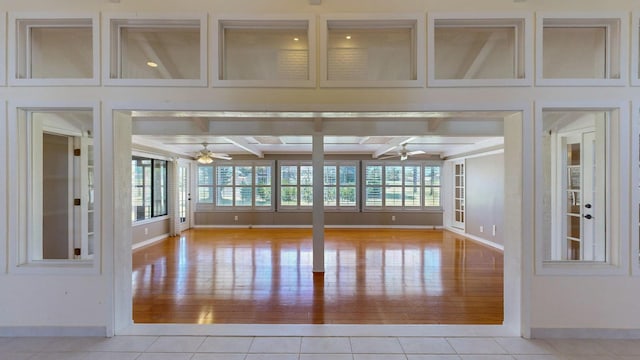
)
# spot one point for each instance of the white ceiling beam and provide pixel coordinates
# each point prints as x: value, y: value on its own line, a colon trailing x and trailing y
x: 391, y: 145
x: 243, y: 144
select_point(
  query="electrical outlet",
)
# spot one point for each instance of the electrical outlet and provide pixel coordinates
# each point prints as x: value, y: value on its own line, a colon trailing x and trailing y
x: 493, y: 230
x: 235, y: 218
x: 393, y: 218
x: 481, y: 228
x: 146, y: 231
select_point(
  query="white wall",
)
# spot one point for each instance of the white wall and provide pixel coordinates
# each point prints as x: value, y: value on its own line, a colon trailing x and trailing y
x: 603, y: 302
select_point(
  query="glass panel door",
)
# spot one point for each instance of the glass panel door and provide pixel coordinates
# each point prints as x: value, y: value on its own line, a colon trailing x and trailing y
x: 458, y: 195
x: 184, y: 196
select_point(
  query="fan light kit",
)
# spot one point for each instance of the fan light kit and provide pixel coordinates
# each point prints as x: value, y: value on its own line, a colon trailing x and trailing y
x: 206, y: 156
x: 403, y: 153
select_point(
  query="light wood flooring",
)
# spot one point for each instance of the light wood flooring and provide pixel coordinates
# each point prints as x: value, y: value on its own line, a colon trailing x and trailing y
x: 390, y: 276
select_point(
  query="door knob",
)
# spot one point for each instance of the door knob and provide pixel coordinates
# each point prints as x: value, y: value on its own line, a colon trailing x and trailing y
x: 588, y: 206
x: 588, y: 217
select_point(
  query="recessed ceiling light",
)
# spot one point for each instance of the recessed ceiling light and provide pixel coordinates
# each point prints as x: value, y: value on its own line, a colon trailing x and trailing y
x: 348, y: 37
x: 152, y: 64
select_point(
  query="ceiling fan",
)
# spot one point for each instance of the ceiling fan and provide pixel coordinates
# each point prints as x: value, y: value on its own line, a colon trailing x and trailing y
x: 206, y: 156
x: 403, y: 153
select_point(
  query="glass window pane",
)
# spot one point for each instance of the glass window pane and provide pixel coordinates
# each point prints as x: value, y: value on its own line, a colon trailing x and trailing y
x: 412, y: 196
x: 265, y: 53
x: 393, y: 175
x: 289, y: 196
x: 306, y: 175
x: 244, y: 195
x: 306, y: 196
x: 205, y: 175
x: 373, y: 175
x: 263, y: 196
x: 224, y: 175
x: 495, y: 44
x: 412, y: 175
x: 330, y: 174
x: 205, y: 195
x: 393, y: 196
x: 159, y: 52
x: 373, y: 196
x: 574, y: 52
x: 224, y: 196
x: 244, y: 175
x: 347, y: 196
x: 330, y: 196
x: 370, y: 54
x: 432, y: 196
x: 50, y: 51
x: 159, y: 188
x: 263, y: 175
x: 288, y: 175
x: 347, y: 175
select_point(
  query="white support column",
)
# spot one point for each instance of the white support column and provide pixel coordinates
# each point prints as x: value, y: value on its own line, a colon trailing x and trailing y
x: 317, y: 159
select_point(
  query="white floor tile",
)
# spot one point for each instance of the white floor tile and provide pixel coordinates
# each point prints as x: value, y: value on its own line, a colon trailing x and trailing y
x: 577, y: 347
x: 73, y: 343
x: 486, y: 357
x: 537, y: 357
x: 326, y: 357
x: 272, y: 357
x: 226, y: 344
x: 621, y: 347
x: 418, y: 345
x: 165, y: 356
x: 124, y: 343
x: 30, y: 345
x: 525, y: 346
x: 375, y: 345
x: 476, y: 346
x: 270, y: 345
x: 379, y: 357
x: 433, y: 357
x: 113, y: 356
x: 210, y: 356
x: 60, y: 356
x: 326, y: 345
x: 178, y: 344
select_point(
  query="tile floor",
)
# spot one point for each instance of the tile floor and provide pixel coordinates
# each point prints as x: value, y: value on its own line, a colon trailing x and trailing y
x: 313, y: 348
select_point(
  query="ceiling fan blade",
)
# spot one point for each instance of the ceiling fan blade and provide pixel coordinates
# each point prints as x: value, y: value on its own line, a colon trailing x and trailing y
x: 221, y: 156
x: 416, y: 152
x: 387, y: 157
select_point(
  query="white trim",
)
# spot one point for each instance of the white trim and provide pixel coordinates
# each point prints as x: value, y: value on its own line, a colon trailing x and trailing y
x: 4, y: 188
x: 149, y: 221
x: 149, y: 241
x: 634, y: 165
x: 264, y: 20
x: 635, y: 49
x: 616, y: 24
x: 522, y: 22
x: 110, y: 49
x: 52, y: 331
x: 618, y: 187
x: 14, y: 48
x: 476, y: 238
x: 326, y: 226
x: 415, y: 21
x: 585, y: 333
x: 3, y: 48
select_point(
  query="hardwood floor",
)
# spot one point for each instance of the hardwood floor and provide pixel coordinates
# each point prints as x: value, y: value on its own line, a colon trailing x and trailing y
x: 214, y: 276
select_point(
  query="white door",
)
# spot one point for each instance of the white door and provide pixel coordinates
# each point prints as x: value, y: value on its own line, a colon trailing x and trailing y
x: 582, y: 195
x: 184, y: 196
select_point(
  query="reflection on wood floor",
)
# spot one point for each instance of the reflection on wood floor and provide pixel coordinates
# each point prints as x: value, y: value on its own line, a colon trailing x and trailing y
x: 213, y: 276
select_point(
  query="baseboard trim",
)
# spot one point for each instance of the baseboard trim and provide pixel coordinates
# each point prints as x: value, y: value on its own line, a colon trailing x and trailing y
x: 149, y: 242
x: 476, y: 238
x: 417, y: 227
x: 48, y: 331
x: 579, y: 333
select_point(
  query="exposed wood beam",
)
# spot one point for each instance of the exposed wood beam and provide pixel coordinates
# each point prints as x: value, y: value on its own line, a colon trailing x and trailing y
x: 243, y: 144
x: 391, y: 145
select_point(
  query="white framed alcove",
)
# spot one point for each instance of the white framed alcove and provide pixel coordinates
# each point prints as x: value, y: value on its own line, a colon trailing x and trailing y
x: 555, y: 128
x: 479, y: 49
x: 576, y: 49
x: 263, y: 51
x: 155, y: 49
x: 372, y: 50
x: 53, y: 49
x: 27, y: 225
